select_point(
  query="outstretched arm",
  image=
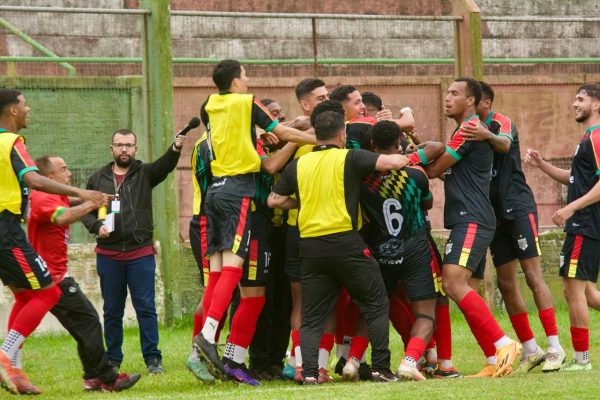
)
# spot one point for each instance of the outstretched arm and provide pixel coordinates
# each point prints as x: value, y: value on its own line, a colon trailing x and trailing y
x: 533, y: 158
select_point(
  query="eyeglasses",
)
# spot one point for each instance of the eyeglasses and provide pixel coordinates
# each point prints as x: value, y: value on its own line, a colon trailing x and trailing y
x: 127, y: 146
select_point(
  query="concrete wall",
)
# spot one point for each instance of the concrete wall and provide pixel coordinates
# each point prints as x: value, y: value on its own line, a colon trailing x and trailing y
x: 269, y: 38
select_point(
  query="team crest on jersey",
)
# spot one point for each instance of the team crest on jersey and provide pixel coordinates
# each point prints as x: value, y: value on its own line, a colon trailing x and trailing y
x: 448, y: 247
x: 522, y: 242
x: 561, y: 260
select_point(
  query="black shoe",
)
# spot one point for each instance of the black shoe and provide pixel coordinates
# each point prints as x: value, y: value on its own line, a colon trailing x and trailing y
x: 115, y: 365
x: 340, y: 366
x: 210, y: 356
x: 275, y: 372
x: 155, y: 366
x: 383, y: 375
x: 364, y: 372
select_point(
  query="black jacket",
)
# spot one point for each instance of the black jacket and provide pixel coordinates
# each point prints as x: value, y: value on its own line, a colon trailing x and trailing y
x: 133, y: 225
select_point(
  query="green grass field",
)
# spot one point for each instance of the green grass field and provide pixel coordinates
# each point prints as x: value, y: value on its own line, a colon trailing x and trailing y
x: 51, y: 362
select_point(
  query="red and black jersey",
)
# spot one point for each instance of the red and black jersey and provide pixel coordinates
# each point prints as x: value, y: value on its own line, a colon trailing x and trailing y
x: 510, y: 195
x: 467, y: 183
x: 47, y: 238
x: 585, y: 172
x: 356, y: 130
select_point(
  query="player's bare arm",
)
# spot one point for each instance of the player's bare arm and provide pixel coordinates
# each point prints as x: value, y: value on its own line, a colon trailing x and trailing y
x: 479, y: 132
x: 75, y: 213
x: 432, y: 150
x: 561, y: 216
x: 284, y: 202
x: 387, y: 162
x: 437, y: 168
x: 293, y: 135
x: 277, y: 161
x: 35, y: 181
x: 533, y: 158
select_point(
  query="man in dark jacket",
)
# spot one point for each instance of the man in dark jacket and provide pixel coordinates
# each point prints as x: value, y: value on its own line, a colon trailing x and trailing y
x: 125, y: 250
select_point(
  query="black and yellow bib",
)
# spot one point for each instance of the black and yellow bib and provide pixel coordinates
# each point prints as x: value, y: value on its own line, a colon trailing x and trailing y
x: 231, y: 134
x: 10, y: 190
x: 323, y: 210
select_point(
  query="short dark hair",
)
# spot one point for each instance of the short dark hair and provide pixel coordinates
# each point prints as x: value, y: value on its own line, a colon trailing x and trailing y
x: 487, y: 90
x: 306, y: 86
x: 225, y: 72
x: 8, y: 97
x: 341, y: 93
x: 328, y: 124
x: 591, y: 89
x: 44, y: 164
x: 266, y: 102
x: 124, y: 131
x: 385, y: 134
x: 327, y: 105
x: 370, y: 98
x: 473, y: 88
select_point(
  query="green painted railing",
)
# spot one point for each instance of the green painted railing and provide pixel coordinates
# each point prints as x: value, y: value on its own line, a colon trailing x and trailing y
x: 301, y: 61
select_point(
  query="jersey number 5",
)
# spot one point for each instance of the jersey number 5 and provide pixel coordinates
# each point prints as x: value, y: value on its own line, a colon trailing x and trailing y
x: 392, y: 216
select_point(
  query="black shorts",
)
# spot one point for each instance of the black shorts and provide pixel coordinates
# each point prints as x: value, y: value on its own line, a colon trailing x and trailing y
x: 414, y: 269
x: 467, y: 245
x: 516, y: 239
x: 580, y: 258
x: 199, y: 243
x: 256, y: 265
x: 292, y: 254
x: 20, y: 265
x: 436, y: 264
x: 228, y: 223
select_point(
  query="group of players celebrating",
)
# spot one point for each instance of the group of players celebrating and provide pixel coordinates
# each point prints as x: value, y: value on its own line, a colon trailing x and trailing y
x: 337, y: 198
x: 348, y: 187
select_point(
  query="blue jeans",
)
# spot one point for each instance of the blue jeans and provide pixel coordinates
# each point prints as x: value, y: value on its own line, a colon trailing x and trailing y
x: 115, y: 277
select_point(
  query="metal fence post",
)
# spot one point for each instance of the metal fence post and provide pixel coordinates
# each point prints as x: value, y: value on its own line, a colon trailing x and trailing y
x: 158, y: 96
x: 467, y: 39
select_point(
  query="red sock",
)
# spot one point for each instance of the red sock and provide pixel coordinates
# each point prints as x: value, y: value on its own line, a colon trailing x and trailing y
x: 548, y: 319
x: 358, y: 347
x: 520, y: 323
x: 197, y: 324
x: 479, y: 317
x: 223, y: 292
x: 327, y: 342
x: 213, y: 278
x: 243, y: 325
x: 295, y: 340
x: 580, y: 337
x: 484, y: 342
x: 415, y: 349
x: 32, y: 314
x: 342, y: 303
x: 21, y: 300
x: 402, y: 319
x: 443, y: 332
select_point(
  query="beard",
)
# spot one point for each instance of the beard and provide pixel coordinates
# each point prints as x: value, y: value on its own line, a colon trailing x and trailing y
x: 582, y: 117
x: 123, y: 163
